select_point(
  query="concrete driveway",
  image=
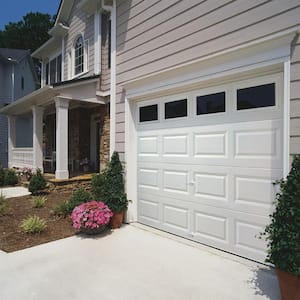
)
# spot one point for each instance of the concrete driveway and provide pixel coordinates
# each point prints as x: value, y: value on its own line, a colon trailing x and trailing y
x: 134, y: 262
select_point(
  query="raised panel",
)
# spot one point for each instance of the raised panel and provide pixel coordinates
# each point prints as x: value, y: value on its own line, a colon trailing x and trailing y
x: 175, y: 181
x: 148, y: 146
x: 247, y: 236
x: 149, y: 210
x: 148, y: 178
x: 175, y: 145
x: 254, y: 190
x: 210, y: 226
x: 210, y: 144
x: 255, y: 144
x: 175, y: 217
x: 210, y: 185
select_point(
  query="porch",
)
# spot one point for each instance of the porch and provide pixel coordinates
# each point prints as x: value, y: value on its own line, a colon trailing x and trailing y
x: 62, y: 130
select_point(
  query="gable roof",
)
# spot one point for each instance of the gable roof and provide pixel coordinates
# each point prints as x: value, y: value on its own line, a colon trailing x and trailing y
x: 13, y: 55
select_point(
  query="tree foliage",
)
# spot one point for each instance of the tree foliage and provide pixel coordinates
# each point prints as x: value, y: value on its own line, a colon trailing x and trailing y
x: 29, y: 33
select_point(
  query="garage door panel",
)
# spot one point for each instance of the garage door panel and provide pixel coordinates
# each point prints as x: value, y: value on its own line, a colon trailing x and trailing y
x: 214, y: 185
x: 175, y: 145
x: 175, y: 181
x: 149, y: 210
x: 213, y: 144
x: 210, y: 226
x: 148, y: 178
x: 148, y: 146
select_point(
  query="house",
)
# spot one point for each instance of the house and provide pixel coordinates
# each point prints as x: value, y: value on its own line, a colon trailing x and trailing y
x: 204, y: 107
x: 207, y: 114
x: 17, y: 78
x: 70, y: 112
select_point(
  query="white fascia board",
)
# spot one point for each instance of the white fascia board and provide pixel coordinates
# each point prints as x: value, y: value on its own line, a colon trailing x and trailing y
x: 262, y: 53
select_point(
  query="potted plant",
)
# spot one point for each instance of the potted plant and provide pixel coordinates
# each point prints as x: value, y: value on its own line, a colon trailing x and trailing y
x: 109, y: 186
x: 91, y: 217
x: 283, y: 234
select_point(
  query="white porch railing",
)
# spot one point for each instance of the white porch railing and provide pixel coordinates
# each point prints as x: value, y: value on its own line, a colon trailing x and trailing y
x: 21, y: 157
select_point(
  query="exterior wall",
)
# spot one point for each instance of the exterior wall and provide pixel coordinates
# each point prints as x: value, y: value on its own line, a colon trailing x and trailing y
x: 23, y: 70
x: 105, y: 70
x: 157, y: 35
x: 79, y: 23
x: 295, y: 98
x: 3, y: 141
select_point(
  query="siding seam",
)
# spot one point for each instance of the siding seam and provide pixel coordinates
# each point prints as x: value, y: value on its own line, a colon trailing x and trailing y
x: 206, y: 41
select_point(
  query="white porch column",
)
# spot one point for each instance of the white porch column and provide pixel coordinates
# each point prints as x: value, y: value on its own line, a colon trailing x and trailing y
x: 37, y: 120
x: 62, y: 111
x: 11, y: 138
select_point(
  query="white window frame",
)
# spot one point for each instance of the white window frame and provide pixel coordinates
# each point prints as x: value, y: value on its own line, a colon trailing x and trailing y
x: 85, y: 57
x: 44, y: 68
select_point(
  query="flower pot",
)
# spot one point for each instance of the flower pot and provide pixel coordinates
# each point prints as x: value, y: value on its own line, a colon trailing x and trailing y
x: 93, y: 231
x: 289, y: 285
x: 116, y: 220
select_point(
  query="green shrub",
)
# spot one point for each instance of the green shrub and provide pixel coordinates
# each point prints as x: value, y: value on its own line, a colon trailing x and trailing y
x: 38, y: 201
x: 10, y: 177
x: 37, y: 182
x: 4, y: 207
x: 283, y: 233
x: 109, y: 185
x: 62, y: 209
x: 98, y: 186
x: 33, y: 224
x: 79, y: 196
x: 2, y: 176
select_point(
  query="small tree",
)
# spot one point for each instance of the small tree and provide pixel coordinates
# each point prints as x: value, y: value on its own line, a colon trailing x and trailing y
x: 37, y: 182
x: 283, y: 233
x: 114, y: 191
x: 98, y: 186
x: 10, y: 177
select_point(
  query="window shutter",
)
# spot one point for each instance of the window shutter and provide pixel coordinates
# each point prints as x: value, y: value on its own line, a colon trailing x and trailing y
x: 86, y: 55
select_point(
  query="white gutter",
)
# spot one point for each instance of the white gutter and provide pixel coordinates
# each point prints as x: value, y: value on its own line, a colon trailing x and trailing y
x: 112, y: 10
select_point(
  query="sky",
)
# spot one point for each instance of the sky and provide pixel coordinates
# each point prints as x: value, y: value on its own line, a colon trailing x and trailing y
x: 14, y: 10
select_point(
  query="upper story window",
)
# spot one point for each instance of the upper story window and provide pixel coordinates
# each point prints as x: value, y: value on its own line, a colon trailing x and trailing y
x: 79, y: 56
x: 53, y: 70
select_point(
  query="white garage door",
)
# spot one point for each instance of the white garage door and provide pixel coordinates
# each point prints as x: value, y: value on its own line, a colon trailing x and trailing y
x: 207, y: 160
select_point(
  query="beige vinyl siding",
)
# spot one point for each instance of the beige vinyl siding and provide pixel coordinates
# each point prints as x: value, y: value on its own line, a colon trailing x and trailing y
x: 80, y: 23
x: 295, y: 99
x: 153, y: 36
x: 105, y: 70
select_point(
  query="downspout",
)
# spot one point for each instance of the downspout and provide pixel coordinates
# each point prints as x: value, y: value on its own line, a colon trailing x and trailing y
x: 112, y: 10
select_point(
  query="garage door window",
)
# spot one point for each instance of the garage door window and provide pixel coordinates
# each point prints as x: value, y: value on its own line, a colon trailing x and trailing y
x: 210, y: 104
x: 176, y: 109
x: 148, y: 113
x: 256, y: 97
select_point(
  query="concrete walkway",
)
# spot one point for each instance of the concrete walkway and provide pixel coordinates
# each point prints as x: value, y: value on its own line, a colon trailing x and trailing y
x: 131, y: 263
x: 16, y: 191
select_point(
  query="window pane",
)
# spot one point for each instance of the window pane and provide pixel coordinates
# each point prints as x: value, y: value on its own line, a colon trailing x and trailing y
x: 176, y: 109
x: 209, y: 104
x: 255, y: 97
x: 148, y: 113
x: 78, y: 59
x: 58, y: 68
x: 47, y: 73
x: 53, y: 71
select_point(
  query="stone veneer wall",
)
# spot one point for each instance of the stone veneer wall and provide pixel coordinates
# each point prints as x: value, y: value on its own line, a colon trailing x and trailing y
x: 105, y: 137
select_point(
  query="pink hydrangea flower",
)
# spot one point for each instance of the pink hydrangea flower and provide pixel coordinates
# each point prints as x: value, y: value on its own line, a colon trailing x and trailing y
x: 91, y: 214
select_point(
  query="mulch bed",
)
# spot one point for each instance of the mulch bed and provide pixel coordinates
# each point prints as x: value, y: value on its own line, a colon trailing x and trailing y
x: 12, y: 238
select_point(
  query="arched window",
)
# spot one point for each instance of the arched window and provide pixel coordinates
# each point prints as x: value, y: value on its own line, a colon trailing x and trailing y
x: 79, y: 55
